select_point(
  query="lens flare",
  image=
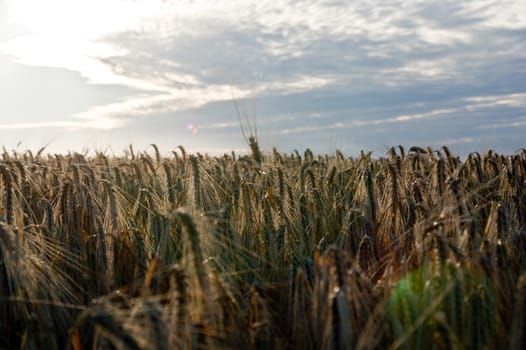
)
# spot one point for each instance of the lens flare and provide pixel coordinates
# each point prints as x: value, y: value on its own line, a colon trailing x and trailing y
x: 192, y: 128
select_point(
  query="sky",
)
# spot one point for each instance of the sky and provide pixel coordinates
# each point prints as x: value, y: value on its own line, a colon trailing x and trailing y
x: 330, y: 75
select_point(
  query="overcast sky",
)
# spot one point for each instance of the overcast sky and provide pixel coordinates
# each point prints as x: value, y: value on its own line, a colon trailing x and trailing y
x: 324, y: 75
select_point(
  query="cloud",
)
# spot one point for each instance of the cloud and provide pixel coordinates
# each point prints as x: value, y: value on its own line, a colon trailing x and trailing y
x: 518, y: 122
x: 98, y: 123
x: 460, y: 141
x: 438, y: 69
x: 379, y: 71
x: 517, y: 100
x: 172, y: 100
x: 496, y: 14
x: 360, y: 123
x: 45, y: 125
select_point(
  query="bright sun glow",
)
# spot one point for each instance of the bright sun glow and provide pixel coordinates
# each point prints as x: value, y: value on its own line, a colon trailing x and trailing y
x: 70, y: 34
x: 67, y: 34
x: 79, y: 19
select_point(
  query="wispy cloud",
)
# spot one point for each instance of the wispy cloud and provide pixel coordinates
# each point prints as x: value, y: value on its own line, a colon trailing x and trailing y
x: 517, y: 100
x: 359, y: 123
x: 99, y: 123
x: 517, y: 122
x: 459, y: 141
x: 423, y: 70
x: 44, y: 125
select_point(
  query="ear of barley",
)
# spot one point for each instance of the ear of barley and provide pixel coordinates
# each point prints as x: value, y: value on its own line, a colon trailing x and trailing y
x: 193, y: 237
x: 196, y: 181
x: 371, y: 200
x: 8, y: 193
x: 157, y: 153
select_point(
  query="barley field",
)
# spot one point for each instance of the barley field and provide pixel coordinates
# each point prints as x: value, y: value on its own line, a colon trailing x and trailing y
x: 417, y: 249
